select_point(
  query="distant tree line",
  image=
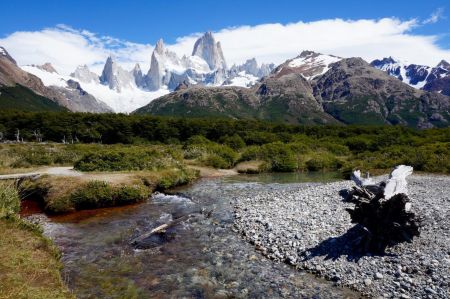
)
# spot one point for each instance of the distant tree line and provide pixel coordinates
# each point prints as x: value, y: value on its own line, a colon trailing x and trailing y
x: 137, y: 129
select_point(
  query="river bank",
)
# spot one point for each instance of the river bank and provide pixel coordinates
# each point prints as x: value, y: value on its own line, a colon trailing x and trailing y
x: 310, y: 229
x: 29, y: 262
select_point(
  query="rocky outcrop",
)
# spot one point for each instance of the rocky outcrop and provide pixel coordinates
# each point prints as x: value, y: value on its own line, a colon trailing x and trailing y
x: 251, y: 70
x: 163, y: 63
x: 48, y: 67
x: 80, y: 100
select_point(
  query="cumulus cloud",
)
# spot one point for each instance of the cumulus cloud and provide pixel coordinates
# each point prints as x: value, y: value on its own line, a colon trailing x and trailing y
x: 67, y: 47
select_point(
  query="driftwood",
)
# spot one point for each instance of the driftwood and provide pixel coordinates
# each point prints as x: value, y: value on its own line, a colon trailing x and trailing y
x: 160, y: 233
x: 384, y: 212
x: 160, y: 230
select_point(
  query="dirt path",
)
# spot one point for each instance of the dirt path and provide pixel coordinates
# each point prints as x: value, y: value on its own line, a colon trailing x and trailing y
x: 112, y: 177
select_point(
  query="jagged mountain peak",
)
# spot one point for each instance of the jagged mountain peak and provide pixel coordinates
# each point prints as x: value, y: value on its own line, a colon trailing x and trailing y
x: 137, y: 67
x: 207, y: 48
x: 114, y: 76
x: 160, y: 47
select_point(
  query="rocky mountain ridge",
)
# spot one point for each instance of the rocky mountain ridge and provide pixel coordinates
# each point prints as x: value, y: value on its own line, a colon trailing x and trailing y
x: 418, y: 76
x: 206, y: 66
x: 314, y: 89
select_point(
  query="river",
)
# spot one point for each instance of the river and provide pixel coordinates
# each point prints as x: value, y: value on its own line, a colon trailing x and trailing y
x: 200, y: 257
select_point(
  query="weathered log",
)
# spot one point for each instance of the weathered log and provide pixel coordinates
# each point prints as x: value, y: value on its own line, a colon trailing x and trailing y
x: 385, y: 216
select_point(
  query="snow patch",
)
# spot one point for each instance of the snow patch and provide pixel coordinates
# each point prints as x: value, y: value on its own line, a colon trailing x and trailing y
x: 314, y: 61
x: 243, y: 80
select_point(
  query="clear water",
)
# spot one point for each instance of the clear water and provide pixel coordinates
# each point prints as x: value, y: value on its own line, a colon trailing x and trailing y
x: 203, y: 258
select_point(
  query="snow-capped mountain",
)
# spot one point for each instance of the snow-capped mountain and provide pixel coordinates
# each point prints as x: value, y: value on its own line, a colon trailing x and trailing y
x: 309, y: 64
x: 77, y: 97
x: 418, y: 76
x: 125, y: 91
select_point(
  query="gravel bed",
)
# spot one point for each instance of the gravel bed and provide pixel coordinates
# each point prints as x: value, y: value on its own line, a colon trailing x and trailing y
x: 310, y: 229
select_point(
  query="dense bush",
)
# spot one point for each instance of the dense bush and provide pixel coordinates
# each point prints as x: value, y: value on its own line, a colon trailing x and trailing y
x: 280, y: 157
x: 210, y: 153
x: 130, y: 158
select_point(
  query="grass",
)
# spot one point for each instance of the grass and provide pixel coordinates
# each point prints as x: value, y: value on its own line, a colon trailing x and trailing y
x: 29, y: 262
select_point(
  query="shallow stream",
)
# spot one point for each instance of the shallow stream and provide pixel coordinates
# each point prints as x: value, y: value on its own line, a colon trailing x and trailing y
x: 199, y: 257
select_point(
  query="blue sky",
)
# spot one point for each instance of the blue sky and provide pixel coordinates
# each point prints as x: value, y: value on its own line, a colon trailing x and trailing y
x: 271, y: 31
x: 146, y: 21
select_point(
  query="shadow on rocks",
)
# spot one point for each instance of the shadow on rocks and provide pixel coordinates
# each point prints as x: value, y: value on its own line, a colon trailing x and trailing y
x: 345, y: 194
x: 335, y: 247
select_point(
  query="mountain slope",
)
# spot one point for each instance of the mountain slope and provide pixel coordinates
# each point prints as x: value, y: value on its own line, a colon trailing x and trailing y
x: 356, y: 93
x: 18, y: 97
x: 283, y: 98
x: 314, y: 91
x: 26, y: 89
x: 79, y: 99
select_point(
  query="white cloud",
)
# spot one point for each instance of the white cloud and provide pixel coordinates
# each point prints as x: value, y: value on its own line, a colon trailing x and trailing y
x: 437, y: 15
x: 66, y: 47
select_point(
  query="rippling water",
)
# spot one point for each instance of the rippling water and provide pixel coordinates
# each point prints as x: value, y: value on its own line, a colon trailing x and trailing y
x: 199, y: 257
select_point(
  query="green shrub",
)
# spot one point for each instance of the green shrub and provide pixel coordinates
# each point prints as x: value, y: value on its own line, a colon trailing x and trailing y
x: 216, y: 161
x: 130, y: 194
x: 280, y: 157
x: 9, y: 200
x: 212, y: 154
x: 94, y: 194
x: 251, y: 153
x: 358, y: 144
x: 175, y: 178
x: 235, y: 141
x: 323, y: 161
x: 198, y: 139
